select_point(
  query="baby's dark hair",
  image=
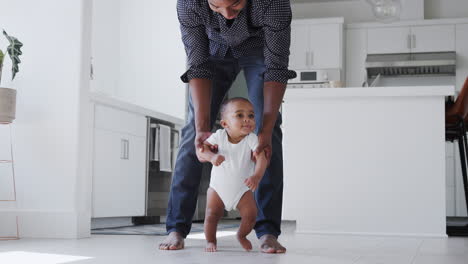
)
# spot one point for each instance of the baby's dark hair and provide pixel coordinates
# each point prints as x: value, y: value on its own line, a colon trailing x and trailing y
x: 232, y: 100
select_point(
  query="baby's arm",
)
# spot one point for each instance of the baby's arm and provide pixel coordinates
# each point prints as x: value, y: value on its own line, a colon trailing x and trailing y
x: 209, y: 155
x: 260, y: 167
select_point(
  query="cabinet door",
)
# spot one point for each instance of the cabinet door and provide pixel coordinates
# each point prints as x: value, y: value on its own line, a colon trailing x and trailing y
x: 388, y: 40
x: 325, y: 46
x: 433, y: 38
x: 299, y: 47
x: 356, y: 52
x: 119, y: 174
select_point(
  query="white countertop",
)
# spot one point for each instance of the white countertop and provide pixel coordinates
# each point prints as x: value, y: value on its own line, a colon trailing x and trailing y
x: 391, y: 91
x: 126, y: 106
x: 423, y: 22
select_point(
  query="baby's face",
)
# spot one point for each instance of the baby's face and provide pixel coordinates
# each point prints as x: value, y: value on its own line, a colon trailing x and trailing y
x: 239, y: 118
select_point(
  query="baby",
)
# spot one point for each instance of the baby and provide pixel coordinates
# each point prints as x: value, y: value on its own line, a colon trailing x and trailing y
x: 234, y: 176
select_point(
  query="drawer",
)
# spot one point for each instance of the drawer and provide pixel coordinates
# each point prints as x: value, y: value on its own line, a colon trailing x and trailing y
x: 117, y: 120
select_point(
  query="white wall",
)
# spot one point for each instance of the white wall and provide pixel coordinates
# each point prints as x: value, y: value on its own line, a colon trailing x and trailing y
x: 51, y: 92
x: 106, y: 46
x: 434, y: 9
x: 354, y: 11
x: 138, y: 53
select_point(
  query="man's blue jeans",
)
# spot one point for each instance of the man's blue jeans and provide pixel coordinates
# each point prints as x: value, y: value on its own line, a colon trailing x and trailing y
x: 187, y: 173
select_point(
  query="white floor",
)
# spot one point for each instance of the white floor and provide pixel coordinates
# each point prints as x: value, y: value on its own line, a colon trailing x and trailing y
x: 302, y: 248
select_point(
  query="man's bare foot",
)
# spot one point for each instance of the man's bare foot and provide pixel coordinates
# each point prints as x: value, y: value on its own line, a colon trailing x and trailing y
x: 210, y: 247
x: 173, y: 241
x: 270, y: 244
x: 245, y: 243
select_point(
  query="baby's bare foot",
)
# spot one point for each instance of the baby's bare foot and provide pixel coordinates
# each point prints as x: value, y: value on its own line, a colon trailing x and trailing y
x: 210, y: 247
x: 245, y: 243
x: 173, y: 241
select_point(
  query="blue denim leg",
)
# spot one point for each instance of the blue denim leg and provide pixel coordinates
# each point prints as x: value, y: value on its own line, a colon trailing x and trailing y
x: 187, y: 172
x: 269, y: 195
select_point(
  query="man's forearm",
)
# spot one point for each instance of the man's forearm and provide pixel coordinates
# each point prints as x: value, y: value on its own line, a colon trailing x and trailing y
x: 260, y: 165
x: 273, y: 93
x: 200, y: 91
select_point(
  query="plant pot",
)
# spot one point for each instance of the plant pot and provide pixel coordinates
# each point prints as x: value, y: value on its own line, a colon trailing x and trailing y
x: 7, y: 105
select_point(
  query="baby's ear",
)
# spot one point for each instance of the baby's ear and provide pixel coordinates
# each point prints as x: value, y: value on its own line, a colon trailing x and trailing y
x: 223, y: 123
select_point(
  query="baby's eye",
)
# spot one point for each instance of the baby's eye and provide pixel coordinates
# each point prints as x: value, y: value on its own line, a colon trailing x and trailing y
x: 251, y: 116
x: 240, y: 115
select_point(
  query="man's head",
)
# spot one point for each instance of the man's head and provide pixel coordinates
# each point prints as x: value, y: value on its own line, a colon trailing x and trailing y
x: 228, y: 8
x: 238, y: 117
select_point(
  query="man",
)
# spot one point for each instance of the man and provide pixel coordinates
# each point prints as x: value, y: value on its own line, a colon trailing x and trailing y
x: 221, y: 37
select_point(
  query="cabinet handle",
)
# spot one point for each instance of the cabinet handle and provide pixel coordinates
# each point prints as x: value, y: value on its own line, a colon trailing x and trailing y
x: 307, y: 58
x: 128, y: 150
x: 311, y: 58
x: 414, y: 41
x: 124, y: 144
x: 408, y: 41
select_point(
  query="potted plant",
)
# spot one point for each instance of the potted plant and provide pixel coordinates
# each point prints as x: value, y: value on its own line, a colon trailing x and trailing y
x: 8, y: 95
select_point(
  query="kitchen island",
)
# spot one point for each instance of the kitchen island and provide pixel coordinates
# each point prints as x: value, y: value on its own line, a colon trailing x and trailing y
x: 366, y: 161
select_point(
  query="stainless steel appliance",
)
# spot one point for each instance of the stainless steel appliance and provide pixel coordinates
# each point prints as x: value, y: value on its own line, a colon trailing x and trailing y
x: 319, y: 78
x: 158, y: 183
x: 411, y: 64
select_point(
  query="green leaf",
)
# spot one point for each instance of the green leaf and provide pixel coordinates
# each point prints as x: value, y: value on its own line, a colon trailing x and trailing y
x: 14, y: 50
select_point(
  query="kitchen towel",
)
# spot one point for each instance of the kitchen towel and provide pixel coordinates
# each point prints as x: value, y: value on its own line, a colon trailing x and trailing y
x: 155, y: 135
x: 165, y: 148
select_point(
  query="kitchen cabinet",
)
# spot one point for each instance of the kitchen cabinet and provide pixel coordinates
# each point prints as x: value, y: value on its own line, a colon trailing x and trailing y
x: 325, y: 46
x: 430, y: 38
x: 388, y: 40
x: 316, y: 45
x: 119, y: 163
x: 298, y: 58
x: 385, y: 188
x: 356, y: 52
x: 433, y: 38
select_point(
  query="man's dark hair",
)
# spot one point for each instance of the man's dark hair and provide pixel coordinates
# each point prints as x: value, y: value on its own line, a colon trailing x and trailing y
x: 229, y: 101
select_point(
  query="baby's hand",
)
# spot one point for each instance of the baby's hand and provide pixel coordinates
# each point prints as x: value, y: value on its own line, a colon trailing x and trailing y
x: 217, y: 160
x: 252, y: 182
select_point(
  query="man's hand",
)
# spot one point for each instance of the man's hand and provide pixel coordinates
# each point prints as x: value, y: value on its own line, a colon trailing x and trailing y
x: 199, y: 141
x: 264, y: 144
x: 252, y: 182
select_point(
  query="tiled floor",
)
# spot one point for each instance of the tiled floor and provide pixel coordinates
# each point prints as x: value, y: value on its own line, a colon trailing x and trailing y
x: 317, y: 249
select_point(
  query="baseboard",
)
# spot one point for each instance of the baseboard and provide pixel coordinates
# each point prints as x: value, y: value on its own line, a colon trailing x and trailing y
x: 110, y: 222
x: 47, y: 224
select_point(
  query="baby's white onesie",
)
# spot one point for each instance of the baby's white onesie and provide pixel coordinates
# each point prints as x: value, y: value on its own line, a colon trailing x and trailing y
x: 228, y: 178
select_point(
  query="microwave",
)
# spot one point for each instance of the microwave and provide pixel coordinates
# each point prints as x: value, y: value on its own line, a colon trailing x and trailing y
x: 316, y: 76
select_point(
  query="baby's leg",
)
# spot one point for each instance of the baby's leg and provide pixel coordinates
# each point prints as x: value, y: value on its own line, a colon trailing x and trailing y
x: 248, y: 211
x: 214, y: 211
